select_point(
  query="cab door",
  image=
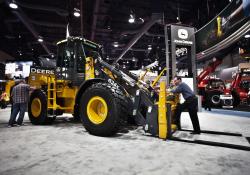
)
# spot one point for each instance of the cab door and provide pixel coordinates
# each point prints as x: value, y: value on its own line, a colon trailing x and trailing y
x: 66, y: 62
x: 80, y: 63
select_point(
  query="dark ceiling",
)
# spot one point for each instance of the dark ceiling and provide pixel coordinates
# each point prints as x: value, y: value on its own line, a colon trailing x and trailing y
x: 103, y: 21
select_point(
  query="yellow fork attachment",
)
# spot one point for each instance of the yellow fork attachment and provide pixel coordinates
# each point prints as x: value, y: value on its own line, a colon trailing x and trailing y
x: 165, y: 107
x: 162, y: 111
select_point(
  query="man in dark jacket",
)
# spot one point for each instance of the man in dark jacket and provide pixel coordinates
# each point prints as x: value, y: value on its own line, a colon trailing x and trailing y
x: 191, y: 103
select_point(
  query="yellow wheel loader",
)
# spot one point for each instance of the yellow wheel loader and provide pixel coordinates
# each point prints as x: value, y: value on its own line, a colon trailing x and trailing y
x: 5, y: 92
x: 100, y: 94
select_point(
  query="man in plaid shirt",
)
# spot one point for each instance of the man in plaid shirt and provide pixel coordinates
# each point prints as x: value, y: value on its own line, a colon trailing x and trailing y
x: 19, y: 95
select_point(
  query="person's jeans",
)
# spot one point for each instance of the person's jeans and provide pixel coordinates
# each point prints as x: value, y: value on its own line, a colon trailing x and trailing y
x: 17, y: 108
x: 192, y: 106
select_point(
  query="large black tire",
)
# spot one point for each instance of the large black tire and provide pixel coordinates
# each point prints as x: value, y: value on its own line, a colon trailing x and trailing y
x: 116, y: 109
x: 76, y: 114
x: 37, y: 108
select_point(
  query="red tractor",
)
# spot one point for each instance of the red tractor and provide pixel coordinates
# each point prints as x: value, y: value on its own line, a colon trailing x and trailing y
x: 240, y: 85
x: 213, y: 88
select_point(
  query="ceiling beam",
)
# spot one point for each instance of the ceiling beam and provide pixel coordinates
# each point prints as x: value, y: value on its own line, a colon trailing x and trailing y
x: 61, y: 12
x: 155, y: 18
x: 29, y: 26
x: 95, y: 11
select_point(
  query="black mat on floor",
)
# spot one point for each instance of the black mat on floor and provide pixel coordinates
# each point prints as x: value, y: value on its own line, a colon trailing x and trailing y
x: 216, y: 132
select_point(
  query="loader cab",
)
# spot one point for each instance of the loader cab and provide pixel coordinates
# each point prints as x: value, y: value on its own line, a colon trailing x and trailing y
x: 71, y: 59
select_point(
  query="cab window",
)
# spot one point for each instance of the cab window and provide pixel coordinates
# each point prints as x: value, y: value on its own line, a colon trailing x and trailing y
x: 80, y: 66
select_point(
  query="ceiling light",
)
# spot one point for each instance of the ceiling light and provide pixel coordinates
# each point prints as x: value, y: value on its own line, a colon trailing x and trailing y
x: 134, y: 59
x: 115, y: 44
x: 149, y: 47
x: 247, y: 36
x: 142, y: 20
x: 131, y: 18
x: 77, y: 12
x: 40, y: 40
x: 13, y: 5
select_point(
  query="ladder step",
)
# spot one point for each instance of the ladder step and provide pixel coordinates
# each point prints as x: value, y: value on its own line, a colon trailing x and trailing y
x: 51, y: 96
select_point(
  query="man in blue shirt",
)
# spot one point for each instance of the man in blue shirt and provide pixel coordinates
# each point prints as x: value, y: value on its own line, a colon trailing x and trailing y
x: 191, y: 103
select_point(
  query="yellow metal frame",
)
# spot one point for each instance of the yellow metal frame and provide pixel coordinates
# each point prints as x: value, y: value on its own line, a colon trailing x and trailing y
x: 109, y: 73
x: 6, y: 93
x: 166, y: 129
x: 55, y: 89
x: 62, y: 91
x: 158, y: 77
x: 219, y: 22
x: 162, y: 111
x: 144, y: 74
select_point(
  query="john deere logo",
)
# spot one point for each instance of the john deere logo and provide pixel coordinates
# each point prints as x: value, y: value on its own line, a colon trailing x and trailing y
x: 182, y: 33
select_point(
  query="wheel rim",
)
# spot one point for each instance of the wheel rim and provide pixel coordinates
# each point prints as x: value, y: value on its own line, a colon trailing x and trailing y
x: 36, y: 107
x: 216, y: 99
x: 97, y: 110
